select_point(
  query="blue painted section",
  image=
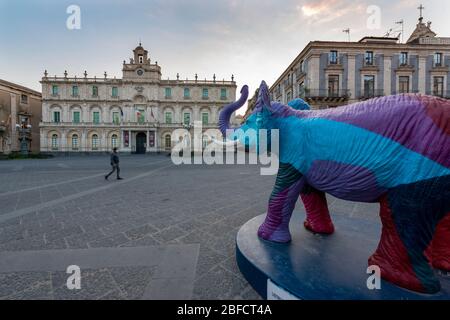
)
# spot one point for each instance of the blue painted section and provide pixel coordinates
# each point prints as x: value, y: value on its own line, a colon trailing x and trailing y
x: 394, y: 66
x: 414, y: 60
x: 323, y: 62
x: 375, y: 152
x: 314, y: 267
x: 359, y: 62
x: 429, y: 66
x: 380, y: 64
x: 344, y: 58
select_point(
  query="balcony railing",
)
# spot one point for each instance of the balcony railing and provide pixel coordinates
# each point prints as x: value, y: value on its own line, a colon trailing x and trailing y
x: 369, y: 94
x: 325, y: 93
x: 441, y: 94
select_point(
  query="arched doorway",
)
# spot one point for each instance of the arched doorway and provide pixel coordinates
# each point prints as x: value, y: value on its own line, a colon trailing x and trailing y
x: 141, y: 143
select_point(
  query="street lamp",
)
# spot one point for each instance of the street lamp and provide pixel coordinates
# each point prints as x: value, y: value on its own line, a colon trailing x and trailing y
x: 24, y: 137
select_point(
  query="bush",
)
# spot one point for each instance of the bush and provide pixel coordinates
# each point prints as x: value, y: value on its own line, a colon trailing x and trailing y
x: 18, y: 155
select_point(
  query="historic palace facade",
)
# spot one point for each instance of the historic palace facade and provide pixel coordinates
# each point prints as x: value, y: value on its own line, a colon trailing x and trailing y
x: 20, y: 114
x: 136, y: 114
x: 330, y: 74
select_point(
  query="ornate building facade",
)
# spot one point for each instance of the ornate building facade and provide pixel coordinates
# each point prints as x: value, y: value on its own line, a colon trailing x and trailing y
x: 20, y: 114
x: 330, y: 73
x: 136, y: 114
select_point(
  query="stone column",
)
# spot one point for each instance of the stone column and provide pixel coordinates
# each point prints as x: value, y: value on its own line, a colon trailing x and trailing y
x: 63, y: 140
x: 422, y: 74
x: 351, y: 75
x: 13, y: 136
x: 387, y: 86
x: 313, y: 73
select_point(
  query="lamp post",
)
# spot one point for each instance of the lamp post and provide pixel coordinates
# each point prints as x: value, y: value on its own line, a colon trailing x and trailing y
x: 24, y: 137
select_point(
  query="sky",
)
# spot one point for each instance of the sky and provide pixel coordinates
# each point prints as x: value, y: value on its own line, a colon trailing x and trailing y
x: 253, y: 39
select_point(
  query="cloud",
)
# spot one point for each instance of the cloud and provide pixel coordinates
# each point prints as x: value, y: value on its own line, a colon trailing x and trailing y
x: 324, y: 11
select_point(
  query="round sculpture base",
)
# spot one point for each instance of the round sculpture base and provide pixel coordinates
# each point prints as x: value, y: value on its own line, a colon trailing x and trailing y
x: 316, y: 267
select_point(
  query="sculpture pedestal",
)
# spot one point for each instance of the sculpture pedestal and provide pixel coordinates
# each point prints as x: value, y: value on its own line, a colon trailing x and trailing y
x: 315, y: 267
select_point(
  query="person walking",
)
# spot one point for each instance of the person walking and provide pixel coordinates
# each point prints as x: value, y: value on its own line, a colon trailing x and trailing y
x: 115, y: 165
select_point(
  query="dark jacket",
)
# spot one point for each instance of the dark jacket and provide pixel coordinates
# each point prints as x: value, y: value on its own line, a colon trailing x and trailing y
x: 114, y: 158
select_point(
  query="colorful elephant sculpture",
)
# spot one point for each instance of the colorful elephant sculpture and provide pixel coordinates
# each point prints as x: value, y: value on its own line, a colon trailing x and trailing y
x: 394, y: 150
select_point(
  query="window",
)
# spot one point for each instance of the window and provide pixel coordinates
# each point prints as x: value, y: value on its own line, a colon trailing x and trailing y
x: 167, y: 142
x: 168, y: 117
x: 403, y: 84
x: 404, y: 58
x: 223, y: 94
x: 96, y: 117
x: 75, y: 142
x: 55, y: 143
x: 94, y: 142
x: 301, y: 89
x: 369, y: 58
x: 141, y: 58
x: 205, y: 141
x: 333, y: 58
x: 333, y: 85
x: 75, y: 91
x: 56, y: 116
x: 289, y: 97
x: 187, y: 118
x: 438, y: 86
x: 302, y: 66
x: 187, y: 93
x: 116, y: 118
x: 205, y: 118
x: 438, y: 59
x: 369, y: 86
x: 95, y: 91
x: 168, y: 93
x: 76, y: 117
x: 205, y: 94
x: 55, y: 90
x: 24, y: 99
x: 115, y: 92
x: 114, y: 141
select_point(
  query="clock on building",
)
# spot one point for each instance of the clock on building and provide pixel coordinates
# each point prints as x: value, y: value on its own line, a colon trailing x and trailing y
x: 140, y: 72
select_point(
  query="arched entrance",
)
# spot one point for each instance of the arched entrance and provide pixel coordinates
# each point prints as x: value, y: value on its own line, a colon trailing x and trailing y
x: 141, y: 143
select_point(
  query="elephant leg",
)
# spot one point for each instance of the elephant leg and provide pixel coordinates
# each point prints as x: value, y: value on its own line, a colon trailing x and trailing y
x: 287, y: 188
x: 318, y: 218
x: 440, y: 247
x: 410, y: 215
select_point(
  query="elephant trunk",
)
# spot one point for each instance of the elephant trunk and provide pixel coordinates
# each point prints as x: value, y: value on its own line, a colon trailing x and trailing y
x: 227, y: 111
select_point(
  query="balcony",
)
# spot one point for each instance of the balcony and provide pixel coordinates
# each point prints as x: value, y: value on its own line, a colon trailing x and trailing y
x: 439, y: 94
x: 369, y: 94
x: 326, y: 95
x: 440, y: 67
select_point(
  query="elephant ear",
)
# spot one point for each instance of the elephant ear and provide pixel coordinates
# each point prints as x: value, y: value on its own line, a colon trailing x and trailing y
x: 299, y: 104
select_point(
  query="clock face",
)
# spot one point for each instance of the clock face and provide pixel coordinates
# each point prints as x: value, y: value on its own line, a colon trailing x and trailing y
x: 140, y: 72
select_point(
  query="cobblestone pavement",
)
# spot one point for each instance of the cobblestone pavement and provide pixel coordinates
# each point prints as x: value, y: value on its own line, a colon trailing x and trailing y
x: 50, y: 207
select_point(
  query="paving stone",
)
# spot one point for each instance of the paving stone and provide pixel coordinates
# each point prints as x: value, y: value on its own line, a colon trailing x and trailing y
x: 111, y: 241
x: 140, y: 232
x: 13, y: 283
x: 219, y: 284
x: 94, y: 285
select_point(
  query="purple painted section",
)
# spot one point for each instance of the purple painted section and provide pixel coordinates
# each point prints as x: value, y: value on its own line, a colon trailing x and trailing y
x: 344, y: 181
x: 402, y: 118
x: 227, y: 111
x: 276, y: 226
